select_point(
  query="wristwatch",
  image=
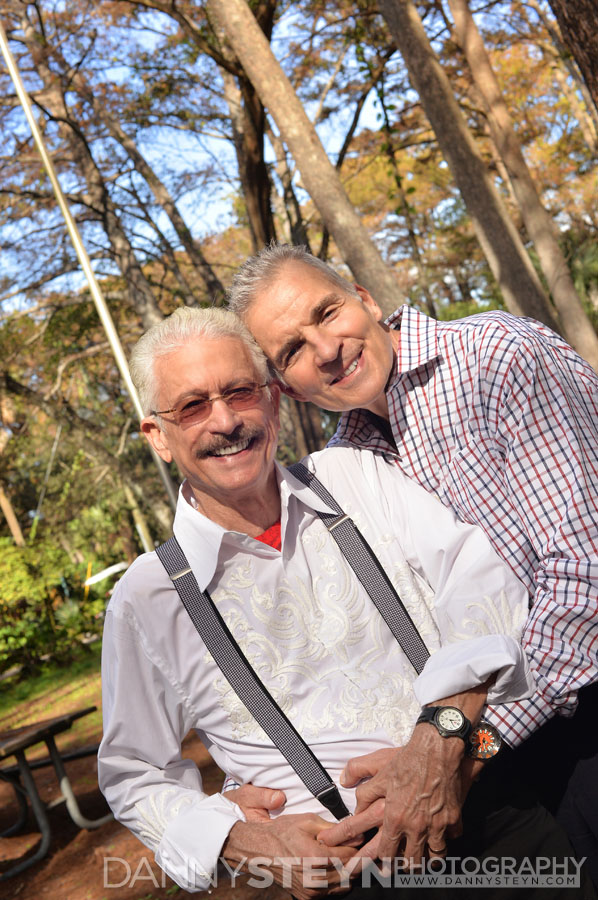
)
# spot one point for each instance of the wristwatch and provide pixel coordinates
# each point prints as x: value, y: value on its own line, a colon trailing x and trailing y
x: 448, y: 720
x: 484, y: 741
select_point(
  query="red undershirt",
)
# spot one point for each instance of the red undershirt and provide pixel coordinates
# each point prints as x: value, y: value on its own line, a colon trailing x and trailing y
x: 271, y: 536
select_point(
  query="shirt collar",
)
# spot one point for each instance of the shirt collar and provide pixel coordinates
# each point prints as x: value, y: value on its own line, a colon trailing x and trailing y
x: 289, y: 485
x: 418, y: 338
x: 201, y: 538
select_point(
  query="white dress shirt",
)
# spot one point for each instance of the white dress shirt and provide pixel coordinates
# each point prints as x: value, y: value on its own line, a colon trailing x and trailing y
x: 314, y: 638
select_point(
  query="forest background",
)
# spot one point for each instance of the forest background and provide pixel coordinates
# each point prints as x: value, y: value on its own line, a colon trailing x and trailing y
x: 442, y: 154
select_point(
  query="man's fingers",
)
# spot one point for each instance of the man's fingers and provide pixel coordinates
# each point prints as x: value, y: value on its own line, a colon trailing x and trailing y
x: 365, y: 766
x: 437, y: 844
x: 456, y: 830
x: 369, y: 851
x: 389, y: 843
x: 436, y: 848
x: 256, y: 802
x: 353, y: 826
x: 369, y: 793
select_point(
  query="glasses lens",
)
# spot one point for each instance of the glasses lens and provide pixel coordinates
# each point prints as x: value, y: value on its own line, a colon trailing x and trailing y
x: 195, y: 411
x: 243, y: 397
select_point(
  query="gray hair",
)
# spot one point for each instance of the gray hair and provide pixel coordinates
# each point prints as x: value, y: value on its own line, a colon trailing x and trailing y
x: 184, y: 325
x: 262, y: 270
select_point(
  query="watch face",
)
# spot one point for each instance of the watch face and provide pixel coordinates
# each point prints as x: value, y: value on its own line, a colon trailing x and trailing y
x: 485, y: 742
x: 450, y: 719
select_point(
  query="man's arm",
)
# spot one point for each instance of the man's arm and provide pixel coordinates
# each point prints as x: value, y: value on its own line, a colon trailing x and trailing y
x: 415, y: 792
x: 288, y: 849
x: 545, y: 422
x: 151, y: 789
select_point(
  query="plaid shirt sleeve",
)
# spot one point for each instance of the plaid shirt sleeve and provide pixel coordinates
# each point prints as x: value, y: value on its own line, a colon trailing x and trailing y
x: 546, y: 418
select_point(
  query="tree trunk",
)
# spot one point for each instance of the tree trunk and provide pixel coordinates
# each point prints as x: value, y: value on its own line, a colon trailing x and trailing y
x: 578, y: 21
x: 248, y: 141
x: 11, y: 519
x: 585, y: 112
x: 139, y: 519
x: 576, y: 326
x: 496, y: 233
x: 290, y: 207
x: 318, y: 174
x: 302, y: 431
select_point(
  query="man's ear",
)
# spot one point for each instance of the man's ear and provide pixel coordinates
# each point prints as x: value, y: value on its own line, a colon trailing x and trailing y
x: 369, y: 302
x: 156, y: 437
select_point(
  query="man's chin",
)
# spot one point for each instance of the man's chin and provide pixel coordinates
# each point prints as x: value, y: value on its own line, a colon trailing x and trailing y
x: 333, y: 403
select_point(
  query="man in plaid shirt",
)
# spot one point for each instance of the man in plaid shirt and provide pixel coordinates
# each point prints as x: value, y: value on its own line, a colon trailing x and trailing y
x: 495, y: 415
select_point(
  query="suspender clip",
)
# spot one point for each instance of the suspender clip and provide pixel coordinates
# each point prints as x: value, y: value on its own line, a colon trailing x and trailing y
x: 330, y: 798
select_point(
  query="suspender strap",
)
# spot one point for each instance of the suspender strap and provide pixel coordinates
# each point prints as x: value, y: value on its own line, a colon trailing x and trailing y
x: 243, y: 680
x: 368, y: 570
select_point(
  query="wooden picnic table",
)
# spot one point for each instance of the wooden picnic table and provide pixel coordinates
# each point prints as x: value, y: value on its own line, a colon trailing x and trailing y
x: 14, y: 743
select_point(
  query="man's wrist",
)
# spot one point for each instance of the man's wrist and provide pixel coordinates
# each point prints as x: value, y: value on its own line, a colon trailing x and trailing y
x: 471, y: 702
x: 449, y: 721
x: 430, y: 742
x: 243, y: 840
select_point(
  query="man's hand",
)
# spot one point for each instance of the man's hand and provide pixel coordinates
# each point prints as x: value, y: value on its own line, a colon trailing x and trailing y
x: 288, y: 848
x: 256, y: 802
x: 415, y: 794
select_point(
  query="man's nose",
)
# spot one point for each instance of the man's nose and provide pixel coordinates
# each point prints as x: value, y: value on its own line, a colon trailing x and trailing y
x: 222, y: 418
x: 325, y: 346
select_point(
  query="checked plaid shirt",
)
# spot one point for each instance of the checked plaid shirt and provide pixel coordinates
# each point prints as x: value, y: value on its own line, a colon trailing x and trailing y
x: 498, y: 417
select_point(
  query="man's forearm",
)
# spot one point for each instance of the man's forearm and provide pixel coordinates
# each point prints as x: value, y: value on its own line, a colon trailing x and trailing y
x: 471, y: 702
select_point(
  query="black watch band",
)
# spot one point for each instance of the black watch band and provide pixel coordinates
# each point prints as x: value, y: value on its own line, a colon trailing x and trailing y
x: 448, y: 721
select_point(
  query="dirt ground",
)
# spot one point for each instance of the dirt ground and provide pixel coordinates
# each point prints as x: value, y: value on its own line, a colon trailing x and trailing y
x: 107, y: 863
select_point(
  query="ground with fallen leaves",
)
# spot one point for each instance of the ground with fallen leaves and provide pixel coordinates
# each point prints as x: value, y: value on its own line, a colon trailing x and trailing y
x: 107, y: 863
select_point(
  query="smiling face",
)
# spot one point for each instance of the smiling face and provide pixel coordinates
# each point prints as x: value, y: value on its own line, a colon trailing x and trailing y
x: 228, y: 457
x: 329, y: 346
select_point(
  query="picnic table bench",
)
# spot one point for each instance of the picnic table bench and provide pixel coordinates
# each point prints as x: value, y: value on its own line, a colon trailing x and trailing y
x: 14, y: 743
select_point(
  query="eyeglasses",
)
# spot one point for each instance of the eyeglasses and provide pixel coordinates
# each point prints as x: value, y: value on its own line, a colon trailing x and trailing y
x: 243, y: 397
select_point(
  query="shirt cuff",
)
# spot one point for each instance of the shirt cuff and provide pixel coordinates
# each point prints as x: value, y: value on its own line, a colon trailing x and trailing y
x: 465, y: 664
x: 191, y: 843
x: 518, y: 721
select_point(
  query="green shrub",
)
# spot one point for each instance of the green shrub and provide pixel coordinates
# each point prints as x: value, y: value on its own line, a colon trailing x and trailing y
x: 45, y: 610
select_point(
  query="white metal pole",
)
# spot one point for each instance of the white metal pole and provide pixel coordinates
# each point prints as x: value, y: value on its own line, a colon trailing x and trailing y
x: 100, y: 303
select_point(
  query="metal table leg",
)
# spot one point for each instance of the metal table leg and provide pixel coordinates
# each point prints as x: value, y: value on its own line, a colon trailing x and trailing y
x: 67, y: 791
x: 22, y: 801
x: 39, y: 812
